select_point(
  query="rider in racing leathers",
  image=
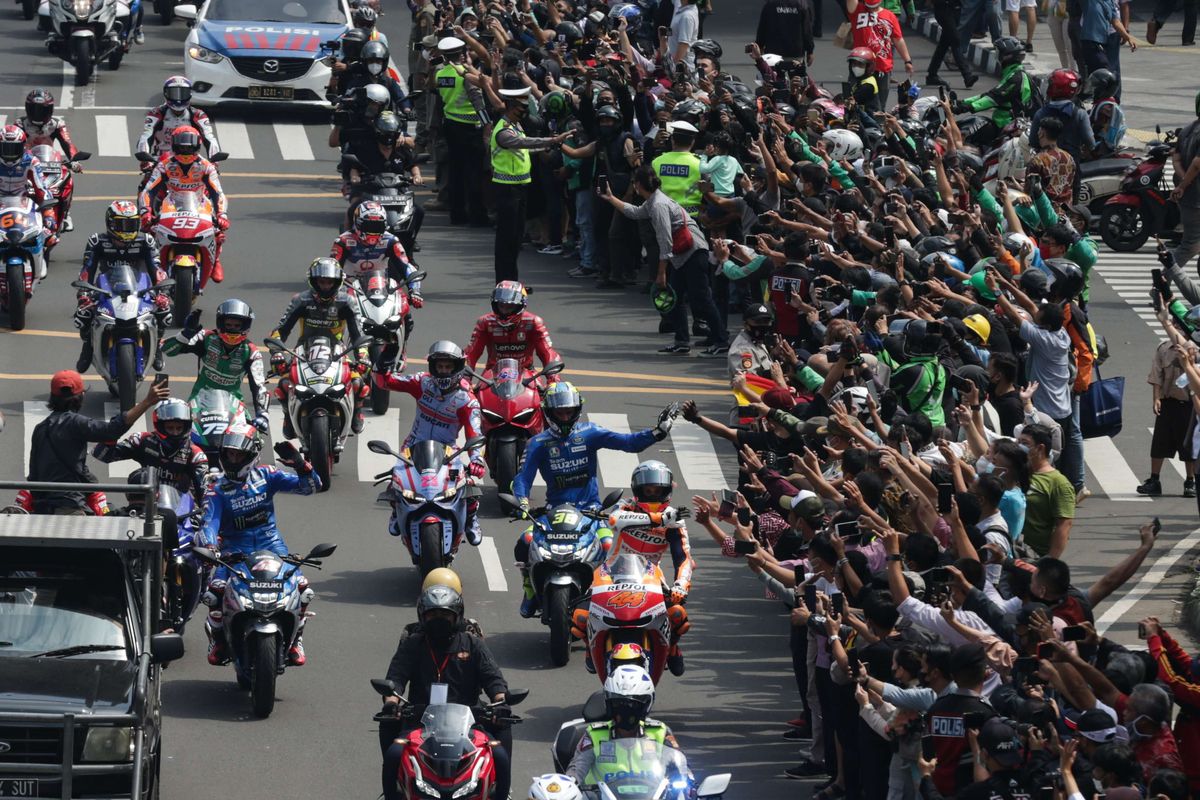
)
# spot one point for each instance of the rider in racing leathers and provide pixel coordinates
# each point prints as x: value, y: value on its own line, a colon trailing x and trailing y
x: 42, y: 127
x: 565, y: 455
x: 19, y: 177
x: 324, y: 310
x: 176, y: 112
x: 185, y: 170
x: 445, y: 406
x: 226, y: 355
x: 239, y: 517
x: 168, y: 447
x: 510, y: 331
x: 369, y: 245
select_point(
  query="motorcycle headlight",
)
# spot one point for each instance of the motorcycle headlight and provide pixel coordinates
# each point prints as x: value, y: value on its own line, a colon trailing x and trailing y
x: 562, y: 549
x: 15, y: 236
x: 246, y: 601
x: 524, y: 415
x: 447, y: 495
x: 301, y: 389
x: 465, y: 789
x: 394, y: 319
x: 410, y: 495
x: 204, y: 54
x: 545, y: 552
x: 108, y: 744
x: 83, y: 8
x: 492, y: 416
x: 425, y: 788
x: 338, y: 388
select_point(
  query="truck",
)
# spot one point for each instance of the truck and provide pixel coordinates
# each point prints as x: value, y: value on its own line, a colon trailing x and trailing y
x: 82, y: 649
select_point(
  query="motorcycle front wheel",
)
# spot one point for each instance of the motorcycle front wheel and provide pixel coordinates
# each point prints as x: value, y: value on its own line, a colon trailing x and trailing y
x: 558, y: 617
x: 262, y: 676
x: 184, y: 281
x: 506, y: 469
x: 82, y: 47
x: 431, y: 547
x: 16, y: 296
x: 127, y: 375
x: 1123, y: 228
x: 319, y: 450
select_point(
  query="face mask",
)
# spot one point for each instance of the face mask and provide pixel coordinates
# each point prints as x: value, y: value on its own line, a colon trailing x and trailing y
x: 438, y: 628
x: 858, y: 72
x: 983, y: 466
x: 1024, y: 448
x: 374, y: 68
x: 1133, y: 729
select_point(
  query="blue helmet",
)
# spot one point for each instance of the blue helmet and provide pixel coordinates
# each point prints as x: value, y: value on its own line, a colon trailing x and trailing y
x: 562, y: 406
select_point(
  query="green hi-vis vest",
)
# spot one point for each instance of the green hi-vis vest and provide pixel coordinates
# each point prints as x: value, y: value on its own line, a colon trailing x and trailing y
x: 610, y: 760
x: 456, y: 105
x: 510, y: 167
x: 680, y: 176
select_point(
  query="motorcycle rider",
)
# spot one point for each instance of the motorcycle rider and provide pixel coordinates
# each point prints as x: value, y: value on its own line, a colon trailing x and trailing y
x: 239, y: 517
x: 1076, y: 137
x: 445, y: 405
x: 864, y: 86
x: 364, y: 18
x: 185, y: 170
x: 123, y: 242
x: 361, y: 107
x: 226, y: 355
x: 511, y: 331
x: 628, y: 698
x: 372, y: 68
x: 1106, y: 116
x: 325, y: 309
x: 42, y: 127
x: 351, y: 50
x: 175, y: 112
x: 19, y: 177
x: 167, y: 446
x: 565, y: 455
x: 369, y: 244
x: 386, y: 152
x: 443, y: 653
x: 1012, y: 95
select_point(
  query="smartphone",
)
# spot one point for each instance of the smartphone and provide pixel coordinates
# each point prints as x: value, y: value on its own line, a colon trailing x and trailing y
x: 810, y: 597
x: 846, y: 530
x: 1045, y: 650
x: 164, y: 379
x: 928, y: 748
x: 945, y: 496
x: 743, y: 548
x: 937, y: 575
x: 905, y: 448
x: 1142, y: 632
x: 887, y: 161
x: 749, y: 49
x: 1156, y: 525
x: 815, y: 250
x: 567, y: 69
x: 941, y: 92
x: 728, y: 503
x: 1026, y: 664
x: 798, y: 575
x: 1074, y: 633
x: 1035, y: 183
x: 602, y: 185
x: 839, y: 603
x: 853, y: 662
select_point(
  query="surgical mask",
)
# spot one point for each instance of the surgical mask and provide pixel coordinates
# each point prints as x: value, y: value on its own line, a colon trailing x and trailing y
x: 1024, y: 448
x: 374, y: 68
x: 858, y: 71
x: 983, y: 466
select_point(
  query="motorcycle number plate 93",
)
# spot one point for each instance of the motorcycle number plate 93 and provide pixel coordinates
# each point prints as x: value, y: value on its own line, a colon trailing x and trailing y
x: 266, y: 586
x: 270, y: 93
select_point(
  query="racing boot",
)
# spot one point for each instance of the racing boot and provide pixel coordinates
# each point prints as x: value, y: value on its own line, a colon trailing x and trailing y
x: 296, y: 657
x: 529, y: 603
x: 85, y: 356
x: 214, y: 626
x: 218, y: 272
x: 474, y: 533
x: 675, y: 661
x: 359, y: 422
x: 68, y: 223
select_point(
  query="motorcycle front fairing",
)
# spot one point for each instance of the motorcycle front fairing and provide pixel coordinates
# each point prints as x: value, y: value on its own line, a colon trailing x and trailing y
x: 214, y: 410
x: 321, y: 385
x: 262, y: 596
x: 565, y: 550
x: 427, y: 489
x: 21, y: 238
x: 126, y: 316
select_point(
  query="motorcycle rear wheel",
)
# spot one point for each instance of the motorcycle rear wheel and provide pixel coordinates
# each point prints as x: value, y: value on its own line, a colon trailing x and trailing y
x: 114, y: 60
x: 127, y: 375
x: 184, y: 281
x: 166, y: 11
x: 431, y: 547
x: 1124, y: 228
x: 319, y: 451
x: 558, y: 617
x: 16, y: 296
x: 83, y: 61
x: 262, y: 677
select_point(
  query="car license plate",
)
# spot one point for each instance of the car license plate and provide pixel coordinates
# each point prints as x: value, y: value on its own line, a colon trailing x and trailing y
x: 18, y: 787
x: 271, y: 93
x: 261, y: 586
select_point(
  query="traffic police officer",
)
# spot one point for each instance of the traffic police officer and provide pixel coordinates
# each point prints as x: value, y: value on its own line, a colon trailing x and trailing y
x: 460, y: 127
x: 679, y: 169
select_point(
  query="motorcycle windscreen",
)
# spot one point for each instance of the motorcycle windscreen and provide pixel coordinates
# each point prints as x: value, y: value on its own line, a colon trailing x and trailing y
x: 640, y: 768
x: 169, y: 497
x: 628, y: 568
x: 428, y: 456
x: 447, y: 738
x: 374, y: 285
x: 566, y: 524
x: 121, y: 279
x: 265, y: 565
x: 186, y: 201
x: 319, y: 354
x: 508, y: 378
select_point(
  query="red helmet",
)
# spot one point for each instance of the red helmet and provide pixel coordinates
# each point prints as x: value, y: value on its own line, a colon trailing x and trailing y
x: 185, y: 144
x: 508, y: 295
x: 863, y: 55
x: 12, y: 144
x: 1063, y: 84
x: 370, y: 223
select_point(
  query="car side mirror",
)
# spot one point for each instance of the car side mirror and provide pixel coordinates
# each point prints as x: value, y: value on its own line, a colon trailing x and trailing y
x: 166, y: 647
x: 186, y: 11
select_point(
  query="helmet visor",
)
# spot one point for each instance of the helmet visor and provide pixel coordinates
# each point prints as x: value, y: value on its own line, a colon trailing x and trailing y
x: 233, y: 324
x: 372, y: 227
x: 178, y: 95
x: 122, y: 226
x: 11, y: 151
x: 38, y: 112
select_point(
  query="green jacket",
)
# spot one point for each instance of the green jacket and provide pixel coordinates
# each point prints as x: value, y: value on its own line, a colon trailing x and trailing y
x: 223, y: 367
x: 835, y: 169
x: 924, y: 393
x: 1010, y: 97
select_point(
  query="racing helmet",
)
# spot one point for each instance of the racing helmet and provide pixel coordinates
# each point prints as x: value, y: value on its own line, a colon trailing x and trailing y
x: 1010, y: 50
x: 843, y: 145
x: 240, y: 448
x: 562, y: 406
x: 508, y: 301
x: 172, y: 412
x: 442, y: 576
x: 707, y: 47
x: 12, y: 144
x: 440, y: 600
x: 122, y: 221
x: 185, y: 144
x: 370, y: 222
x: 325, y: 268
x: 352, y: 45
x: 387, y: 128
x: 1063, y: 85
x: 443, y: 351
x: 375, y: 57
x: 234, y: 319
x: 177, y: 91
x: 39, y: 106
x: 1103, y: 84
x: 652, y: 483
x: 554, y: 787
x: 864, y: 59
x: 628, y: 695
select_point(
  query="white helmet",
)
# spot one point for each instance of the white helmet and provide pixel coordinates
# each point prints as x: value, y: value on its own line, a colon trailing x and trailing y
x: 842, y: 145
x: 629, y: 693
x: 553, y: 786
x: 923, y: 104
x: 854, y: 398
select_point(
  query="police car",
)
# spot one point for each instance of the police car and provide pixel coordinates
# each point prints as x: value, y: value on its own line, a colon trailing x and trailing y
x: 268, y: 51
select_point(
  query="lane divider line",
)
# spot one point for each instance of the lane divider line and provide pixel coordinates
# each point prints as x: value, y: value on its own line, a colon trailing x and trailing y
x: 492, y: 568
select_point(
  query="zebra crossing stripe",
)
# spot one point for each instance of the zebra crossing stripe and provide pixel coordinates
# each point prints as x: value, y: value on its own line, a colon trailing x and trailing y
x: 293, y: 142
x: 112, y: 136
x: 32, y: 412
x: 387, y: 428
x: 616, y: 467
x: 698, y: 463
x: 235, y: 139
x: 120, y: 470
x: 1111, y: 471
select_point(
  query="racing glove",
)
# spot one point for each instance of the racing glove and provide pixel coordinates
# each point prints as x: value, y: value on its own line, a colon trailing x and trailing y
x: 191, y: 325
x: 223, y: 222
x: 147, y: 220
x: 262, y: 423
x: 387, y: 355
x: 289, y: 456
x: 679, y: 594
x: 666, y: 419
x: 417, y: 300
x: 476, y: 469
x: 76, y: 167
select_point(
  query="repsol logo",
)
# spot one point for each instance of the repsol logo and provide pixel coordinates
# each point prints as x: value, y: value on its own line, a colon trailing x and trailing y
x: 674, y: 170
x: 947, y: 726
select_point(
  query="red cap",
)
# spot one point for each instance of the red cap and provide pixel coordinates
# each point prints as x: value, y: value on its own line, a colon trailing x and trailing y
x: 779, y: 398
x: 66, y: 383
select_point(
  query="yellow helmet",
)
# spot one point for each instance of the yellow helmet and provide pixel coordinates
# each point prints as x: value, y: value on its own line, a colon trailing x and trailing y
x: 979, y: 325
x: 442, y: 577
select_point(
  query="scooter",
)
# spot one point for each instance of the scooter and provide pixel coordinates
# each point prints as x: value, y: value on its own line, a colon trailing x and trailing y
x: 86, y: 32
x: 262, y: 616
x: 394, y: 192
x: 22, y: 251
x: 384, y: 309
x: 1143, y: 208
x: 429, y: 493
x: 59, y: 180
x: 1100, y: 179
x: 510, y: 403
x: 124, y: 328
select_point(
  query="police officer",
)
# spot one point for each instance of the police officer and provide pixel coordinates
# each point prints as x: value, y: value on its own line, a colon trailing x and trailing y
x: 511, y: 176
x: 442, y: 654
x: 679, y: 169
x: 460, y: 128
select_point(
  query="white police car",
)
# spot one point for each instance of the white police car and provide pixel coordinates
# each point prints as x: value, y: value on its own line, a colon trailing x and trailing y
x: 273, y: 51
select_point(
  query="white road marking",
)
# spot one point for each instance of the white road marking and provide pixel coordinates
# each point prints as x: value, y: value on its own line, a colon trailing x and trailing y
x: 1153, y: 577
x: 387, y: 428
x: 275, y: 425
x: 615, y: 466
x: 1109, y: 468
x: 32, y: 413
x: 66, y: 95
x: 112, y: 136
x: 234, y: 139
x: 492, y: 567
x: 699, y: 466
x: 293, y: 142
x: 120, y: 470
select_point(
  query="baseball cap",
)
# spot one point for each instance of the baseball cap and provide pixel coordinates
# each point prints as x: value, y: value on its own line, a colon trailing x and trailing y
x: 66, y: 383
x: 967, y: 656
x: 813, y: 426
x: 1094, y: 724
x: 1000, y: 741
x: 808, y: 507
x: 758, y: 311
x: 779, y: 398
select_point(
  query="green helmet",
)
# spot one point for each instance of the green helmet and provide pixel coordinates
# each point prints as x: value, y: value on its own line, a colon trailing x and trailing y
x: 554, y: 105
x: 664, y: 299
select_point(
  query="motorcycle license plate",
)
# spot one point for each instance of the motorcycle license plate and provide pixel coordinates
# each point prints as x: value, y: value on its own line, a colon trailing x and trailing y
x: 265, y: 586
x: 18, y: 787
x: 270, y: 93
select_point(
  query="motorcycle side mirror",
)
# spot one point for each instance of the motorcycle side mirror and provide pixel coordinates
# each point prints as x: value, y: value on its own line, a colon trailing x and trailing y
x: 205, y: 554
x: 274, y: 345
x: 82, y: 155
x: 515, y: 697
x: 595, y: 709
x: 166, y: 647
x: 417, y: 276
x: 714, y: 785
x: 350, y: 160
x: 186, y: 11
x: 510, y: 501
x: 218, y: 157
x: 383, y: 686
x: 166, y: 283
x: 382, y: 448
x: 611, y: 499
x: 87, y: 287
x: 553, y: 368
x: 146, y: 158
x: 321, y: 551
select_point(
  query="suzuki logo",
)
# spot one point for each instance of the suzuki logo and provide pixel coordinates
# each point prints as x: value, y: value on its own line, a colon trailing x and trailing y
x: 271, y: 65
x: 5, y: 747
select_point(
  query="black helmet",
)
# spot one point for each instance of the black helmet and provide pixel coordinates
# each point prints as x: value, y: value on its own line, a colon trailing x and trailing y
x: 688, y: 111
x: 935, y: 244
x: 1034, y: 283
x: 352, y: 44
x: 364, y: 16
x: 328, y: 269
x: 918, y: 341
x: 435, y: 607
x: 1010, y: 50
x: 508, y: 293
x: 1102, y: 84
x: 608, y: 112
x: 39, y: 106
x: 172, y: 410
x: 387, y: 127
x: 707, y: 47
x: 568, y: 33
x: 375, y: 53
x: 1066, y: 278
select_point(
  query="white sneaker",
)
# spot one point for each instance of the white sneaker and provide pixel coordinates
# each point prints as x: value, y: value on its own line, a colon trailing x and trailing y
x: 68, y: 224
x: 139, y: 37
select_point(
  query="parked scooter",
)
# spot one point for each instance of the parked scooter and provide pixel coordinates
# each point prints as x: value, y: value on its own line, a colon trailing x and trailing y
x: 1144, y: 207
x: 510, y: 403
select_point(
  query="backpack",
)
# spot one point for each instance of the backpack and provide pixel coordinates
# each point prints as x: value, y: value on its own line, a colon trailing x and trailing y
x: 1037, y: 96
x: 1085, y: 348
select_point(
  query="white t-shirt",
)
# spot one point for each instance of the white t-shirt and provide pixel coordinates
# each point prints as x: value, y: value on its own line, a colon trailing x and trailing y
x: 685, y: 29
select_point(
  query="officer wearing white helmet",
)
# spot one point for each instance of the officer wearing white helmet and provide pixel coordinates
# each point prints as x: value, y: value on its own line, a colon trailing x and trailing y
x: 456, y: 80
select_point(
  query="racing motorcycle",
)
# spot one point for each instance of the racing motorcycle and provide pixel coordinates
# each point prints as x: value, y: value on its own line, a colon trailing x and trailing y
x: 23, y: 252
x: 446, y: 755
x: 59, y: 180
x: 124, y: 328
x: 213, y: 411
x: 1143, y: 208
x: 320, y: 401
x: 510, y: 402
x: 383, y: 307
x: 428, y: 492
x: 261, y: 605
x: 564, y: 554
x: 87, y: 32
x: 186, y: 575
x: 627, y: 605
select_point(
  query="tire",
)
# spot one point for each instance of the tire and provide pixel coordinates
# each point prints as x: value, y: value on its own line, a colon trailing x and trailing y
x: 127, y: 375
x: 16, y: 296
x: 319, y: 451
x: 264, y: 651
x: 114, y: 60
x: 431, y: 547
x: 381, y: 399
x: 29, y: 8
x: 184, y: 280
x: 506, y: 467
x: 558, y: 617
x: 1123, y: 228
x: 83, y: 61
x: 242, y: 681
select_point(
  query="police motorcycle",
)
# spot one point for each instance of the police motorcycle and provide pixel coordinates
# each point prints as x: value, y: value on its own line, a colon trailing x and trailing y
x: 22, y: 249
x: 384, y: 308
x: 428, y: 492
x: 320, y: 401
x: 563, y: 556
x: 261, y: 606
x: 86, y: 32
x: 124, y: 328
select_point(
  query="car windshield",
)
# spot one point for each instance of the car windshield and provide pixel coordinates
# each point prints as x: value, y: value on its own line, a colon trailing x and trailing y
x: 314, y: 12
x: 53, y: 610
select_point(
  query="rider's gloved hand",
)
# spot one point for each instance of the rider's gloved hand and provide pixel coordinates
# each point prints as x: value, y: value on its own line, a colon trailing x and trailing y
x: 679, y: 593
x: 959, y: 107
x: 1165, y: 256
x: 387, y: 355
x: 262, y: 422
x: 476, y: 468
x: 417, y: 300
x: 665, y: 420
x: 279, y: 363
x: 191, y: 325
x: 76, y: 167
x: 223, y: 222
x: 147, y: 220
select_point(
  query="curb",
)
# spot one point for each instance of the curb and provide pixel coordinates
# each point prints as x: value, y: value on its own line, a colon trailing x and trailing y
x: 983, y: 58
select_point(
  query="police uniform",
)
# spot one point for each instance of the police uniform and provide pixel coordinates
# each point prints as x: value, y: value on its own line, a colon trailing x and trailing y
x: 679, y: 171
x: 460, y: 128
